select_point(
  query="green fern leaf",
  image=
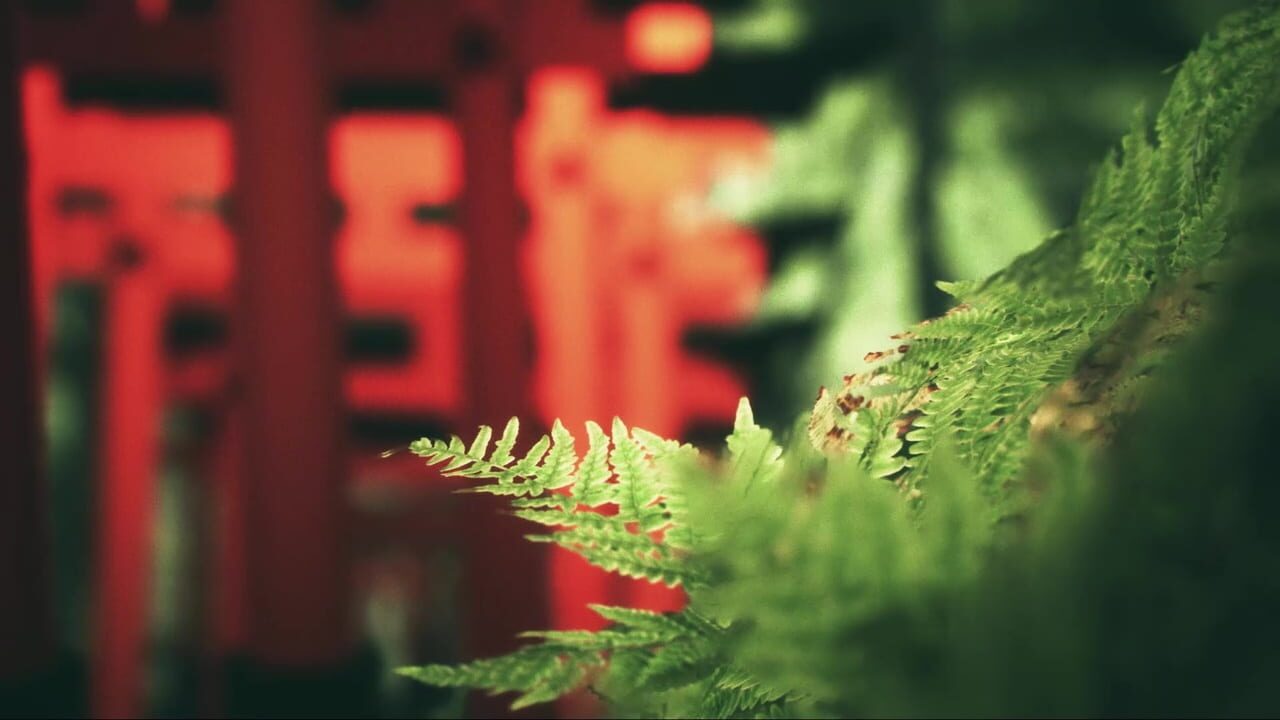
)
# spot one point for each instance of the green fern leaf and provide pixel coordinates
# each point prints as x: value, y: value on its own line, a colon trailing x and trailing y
x: 753, y: 454
x: 638, y: 487
x: 502, y: 451
x: 1154, y: 213
x: 677, y: 666
x: 556, y: 470
x: 591, y: 489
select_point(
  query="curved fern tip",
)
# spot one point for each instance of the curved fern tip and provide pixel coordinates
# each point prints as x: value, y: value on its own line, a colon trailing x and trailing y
x: 744, y: 418
x: 619, y: 429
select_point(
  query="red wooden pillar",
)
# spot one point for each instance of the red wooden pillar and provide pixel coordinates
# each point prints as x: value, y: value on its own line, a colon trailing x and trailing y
x: 26, y: 608
x: 301, y: 630
x: 497, y: 334
x: 130, y: 453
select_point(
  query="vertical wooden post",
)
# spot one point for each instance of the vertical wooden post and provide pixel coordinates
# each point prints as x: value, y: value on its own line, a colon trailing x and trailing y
x: 26, y: 603
x: 287, y: 329
x: 498, y: 334
x: 130, y: 422
x: 301, y: 633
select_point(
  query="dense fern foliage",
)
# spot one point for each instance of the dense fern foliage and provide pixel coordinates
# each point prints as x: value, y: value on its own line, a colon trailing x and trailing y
x: 1067, y: 527
x: 1155, y: 212
x: 632, y: 470
x: 645, y: 477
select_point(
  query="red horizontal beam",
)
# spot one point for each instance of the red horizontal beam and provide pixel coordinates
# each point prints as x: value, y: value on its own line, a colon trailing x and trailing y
x: 391, y: 40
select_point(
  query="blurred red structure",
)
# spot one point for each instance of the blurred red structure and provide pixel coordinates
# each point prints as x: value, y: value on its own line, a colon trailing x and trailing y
x: 161, y: 177
x: 627, y: 257
x: 621, y: 255
x: 668, y: 37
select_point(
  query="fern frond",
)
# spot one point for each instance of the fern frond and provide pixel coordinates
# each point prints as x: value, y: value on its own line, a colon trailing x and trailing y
x: 648, y: 538
x: 1154, y: 213
x: 528, y: 475
x: 630, y: 468
x: 679, y: 664
x: 564, y: 660
x: 593, y: 474
x: 669, y: 625
x: 637, y: 490
x: 525, y: 670
x: 733, y: 693
x: 620, y: 551
x: 754, y: 456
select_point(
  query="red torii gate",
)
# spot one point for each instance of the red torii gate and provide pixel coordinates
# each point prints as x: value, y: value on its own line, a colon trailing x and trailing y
x: 163, y: 173
x: 484, y: 104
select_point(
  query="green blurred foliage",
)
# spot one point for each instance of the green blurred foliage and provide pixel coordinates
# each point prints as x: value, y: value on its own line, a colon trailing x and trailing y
x: 1026, y: 95
x: 72, y: 401
x: 852, y: 160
